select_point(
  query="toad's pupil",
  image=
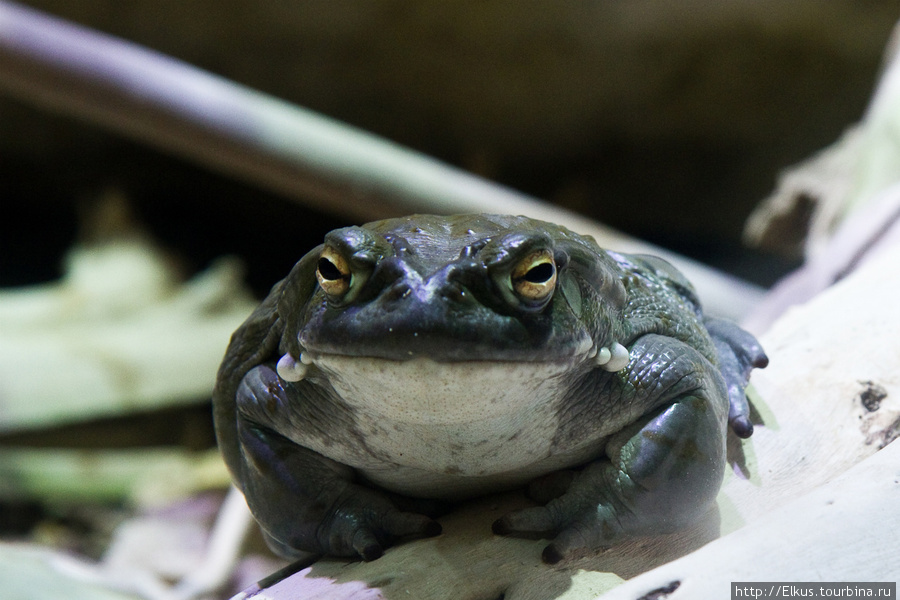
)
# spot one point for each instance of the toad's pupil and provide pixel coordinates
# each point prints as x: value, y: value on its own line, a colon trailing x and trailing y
x: 328, y: 271
x: 539, y: 274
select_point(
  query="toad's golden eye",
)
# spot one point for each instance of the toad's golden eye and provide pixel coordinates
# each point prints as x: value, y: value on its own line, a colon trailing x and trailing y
x: 333, y: 273
x: 534, y: 278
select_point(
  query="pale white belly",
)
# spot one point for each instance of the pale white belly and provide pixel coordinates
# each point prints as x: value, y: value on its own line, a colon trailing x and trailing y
x: 450, y: 428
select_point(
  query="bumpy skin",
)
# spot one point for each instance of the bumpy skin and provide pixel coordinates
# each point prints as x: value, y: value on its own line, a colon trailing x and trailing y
x: 628, y: 446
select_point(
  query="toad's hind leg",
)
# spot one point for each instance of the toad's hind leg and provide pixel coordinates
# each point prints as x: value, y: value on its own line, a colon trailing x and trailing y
x: 660, y: 474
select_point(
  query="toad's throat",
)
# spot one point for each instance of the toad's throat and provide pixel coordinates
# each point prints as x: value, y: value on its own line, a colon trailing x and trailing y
x: 426, y: 423
x: 430, y: 393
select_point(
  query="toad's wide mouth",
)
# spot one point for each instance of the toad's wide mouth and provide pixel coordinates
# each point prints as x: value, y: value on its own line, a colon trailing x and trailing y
x: 610, y: 357
x: 470, y: 346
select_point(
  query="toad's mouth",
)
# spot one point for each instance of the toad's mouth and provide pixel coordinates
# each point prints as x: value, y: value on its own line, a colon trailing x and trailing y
x: 611, y: 357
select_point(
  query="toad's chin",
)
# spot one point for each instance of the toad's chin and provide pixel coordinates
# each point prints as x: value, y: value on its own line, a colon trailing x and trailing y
x: 427, y: 392
x: 445, y: 429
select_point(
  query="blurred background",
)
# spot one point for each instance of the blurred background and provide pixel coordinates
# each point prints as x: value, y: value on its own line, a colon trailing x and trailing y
x: 670, y: 121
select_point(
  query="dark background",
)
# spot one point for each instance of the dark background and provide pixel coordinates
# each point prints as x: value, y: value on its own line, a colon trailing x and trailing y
x: 667, y: 120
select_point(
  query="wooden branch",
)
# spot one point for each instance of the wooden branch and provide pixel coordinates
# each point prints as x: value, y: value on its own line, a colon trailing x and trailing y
x: 844, y: 531
x: 249, y: 135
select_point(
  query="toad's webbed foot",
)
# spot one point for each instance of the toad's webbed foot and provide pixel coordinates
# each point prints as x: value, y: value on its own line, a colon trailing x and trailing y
x: 739, y: 353
x: 358, y: 522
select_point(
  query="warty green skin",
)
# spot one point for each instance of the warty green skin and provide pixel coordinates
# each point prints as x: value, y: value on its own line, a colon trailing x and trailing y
x: 353, y: 454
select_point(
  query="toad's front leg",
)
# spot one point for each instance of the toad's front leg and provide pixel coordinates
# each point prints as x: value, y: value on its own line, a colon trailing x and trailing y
x: 659, y: 474
x: 303, y: 501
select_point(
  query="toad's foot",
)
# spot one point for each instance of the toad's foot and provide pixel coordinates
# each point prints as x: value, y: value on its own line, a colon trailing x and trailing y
x: 739, y: 353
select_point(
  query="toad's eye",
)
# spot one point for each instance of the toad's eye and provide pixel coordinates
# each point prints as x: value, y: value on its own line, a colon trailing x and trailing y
x: 333, y: 273
x: 534, y: 278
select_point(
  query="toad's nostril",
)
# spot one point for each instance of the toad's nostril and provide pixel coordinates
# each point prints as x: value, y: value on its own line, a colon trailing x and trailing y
x: 397, y: 292
x: 454, y: 291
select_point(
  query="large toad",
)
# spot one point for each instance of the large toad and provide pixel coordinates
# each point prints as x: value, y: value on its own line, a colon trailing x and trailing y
x: 438, y: 358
